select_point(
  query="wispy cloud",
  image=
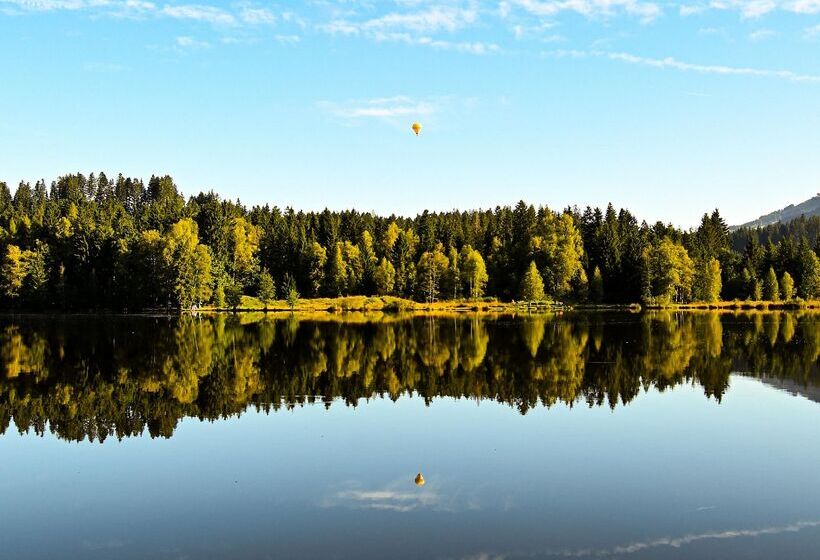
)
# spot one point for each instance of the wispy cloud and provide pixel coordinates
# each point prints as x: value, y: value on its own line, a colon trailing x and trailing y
x: 752, y: 9
x: 762, y: 34
x: 805, y: 6
x: 749, y: 9
x: 198, y: 12
x: 49, y: 5
x: 416, y: 28
x: 381, y: 108
x: 208, y: 13
x: 190, y: 43
x: 471, y: 47
x: 691, y: 9
x: 645, y: 11
x: 257, y: 16
x: 431, y: 20
x: 669, y: 63
x: 287, y: 39
x: 675, y: 64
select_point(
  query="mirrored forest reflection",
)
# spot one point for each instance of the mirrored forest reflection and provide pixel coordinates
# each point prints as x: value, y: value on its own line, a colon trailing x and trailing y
x: 96, y: 377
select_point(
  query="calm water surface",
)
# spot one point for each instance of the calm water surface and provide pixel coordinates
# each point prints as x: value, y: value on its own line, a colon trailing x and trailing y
x: 627, y: 436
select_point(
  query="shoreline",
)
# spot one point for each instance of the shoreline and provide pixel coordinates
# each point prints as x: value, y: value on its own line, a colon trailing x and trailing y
x: 398, y: 306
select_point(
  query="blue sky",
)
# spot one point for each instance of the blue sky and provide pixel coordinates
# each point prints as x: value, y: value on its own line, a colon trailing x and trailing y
x: 670, y: 109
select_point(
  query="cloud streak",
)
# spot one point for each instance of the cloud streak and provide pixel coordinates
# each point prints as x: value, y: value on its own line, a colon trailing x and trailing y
x: 645, y: 11
x: 197, y: 12
x: 380, y: 108
x: 670, y: 63
x: 674, y: 64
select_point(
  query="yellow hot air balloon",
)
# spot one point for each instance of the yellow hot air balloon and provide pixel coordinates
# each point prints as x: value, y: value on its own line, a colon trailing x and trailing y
x: 419, y: 480
x: 416, y: 127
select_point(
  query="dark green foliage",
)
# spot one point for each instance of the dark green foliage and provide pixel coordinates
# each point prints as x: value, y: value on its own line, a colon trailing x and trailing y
x: 118, y: 243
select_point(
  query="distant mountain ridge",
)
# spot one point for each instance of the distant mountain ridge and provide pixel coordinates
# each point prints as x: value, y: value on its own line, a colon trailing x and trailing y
x: 811, y: 207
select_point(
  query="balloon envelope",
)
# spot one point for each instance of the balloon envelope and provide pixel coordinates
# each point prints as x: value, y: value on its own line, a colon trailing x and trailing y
x: 416, y: 128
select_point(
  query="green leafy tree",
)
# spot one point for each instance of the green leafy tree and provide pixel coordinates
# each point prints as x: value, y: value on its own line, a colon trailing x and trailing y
x: 707, y: 281
x: 219, y: 295
x: 337, y: 273
x: 316, y: 262
x: 671, y: 271
x: 787, y: 286
x: 431, y: 268
x: 354, y: 265
x: 233, y: 295
x: 384, y: 276
x: 451, y: 280
x: 243, y: 247
x: 532, y: 286
x: 267, y: 289
x: 292, y: 294
x: 188, y: 264
x: 771, y: 289
x: 474, y: 271
x: 13, y: 272
x: 558, y: 249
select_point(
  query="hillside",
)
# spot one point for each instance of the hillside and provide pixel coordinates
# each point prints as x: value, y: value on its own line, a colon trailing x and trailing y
x: 810, y: 207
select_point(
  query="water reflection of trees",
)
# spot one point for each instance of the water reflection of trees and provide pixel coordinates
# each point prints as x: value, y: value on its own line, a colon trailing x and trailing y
x: 84, y: 377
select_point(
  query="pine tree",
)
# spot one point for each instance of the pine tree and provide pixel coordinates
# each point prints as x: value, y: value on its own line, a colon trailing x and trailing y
x: 580, y: 286
x: 809, y: 284
x: 757, y: 290
x: 596, y: 287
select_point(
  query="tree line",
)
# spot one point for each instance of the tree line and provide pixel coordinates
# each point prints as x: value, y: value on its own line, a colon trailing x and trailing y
x: 94, y: 242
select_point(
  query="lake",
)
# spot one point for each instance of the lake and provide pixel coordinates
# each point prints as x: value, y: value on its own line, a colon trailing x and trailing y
x: 578, y: 435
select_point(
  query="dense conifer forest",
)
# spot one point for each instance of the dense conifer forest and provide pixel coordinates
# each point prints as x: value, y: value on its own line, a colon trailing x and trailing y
x: 94, y: 242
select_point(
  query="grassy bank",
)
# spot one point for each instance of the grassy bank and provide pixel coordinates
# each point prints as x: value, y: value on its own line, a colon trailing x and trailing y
x: 741, y: 304
x: 389, y: 304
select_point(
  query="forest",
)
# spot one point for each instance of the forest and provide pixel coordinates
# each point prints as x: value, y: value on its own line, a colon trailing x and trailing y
x: 99, y: 243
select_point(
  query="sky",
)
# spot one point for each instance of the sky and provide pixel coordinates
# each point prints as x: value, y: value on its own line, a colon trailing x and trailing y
x: 669, y: 109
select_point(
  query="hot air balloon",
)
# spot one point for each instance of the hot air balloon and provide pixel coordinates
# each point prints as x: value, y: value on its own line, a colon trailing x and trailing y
x: 419, y: 480
x: 416, y: 127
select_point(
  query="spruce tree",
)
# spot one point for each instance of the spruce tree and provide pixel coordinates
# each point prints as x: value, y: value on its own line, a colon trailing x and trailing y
x: 596, y: 287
